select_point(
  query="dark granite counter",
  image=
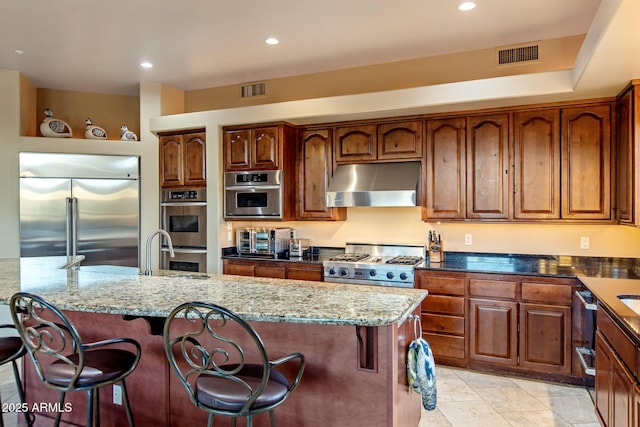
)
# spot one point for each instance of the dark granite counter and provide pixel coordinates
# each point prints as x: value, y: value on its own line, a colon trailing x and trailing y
x: 539, y: 265
x: 315, y: 255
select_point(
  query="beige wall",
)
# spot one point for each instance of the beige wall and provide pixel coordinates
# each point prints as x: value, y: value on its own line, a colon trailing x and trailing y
x: 555, y: 54
x: 403, y: 225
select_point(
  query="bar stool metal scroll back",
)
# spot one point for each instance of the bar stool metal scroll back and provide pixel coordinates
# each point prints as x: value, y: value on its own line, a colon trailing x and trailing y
x: 11, y: 349
x: 208, y: 348
x: 63, y: 362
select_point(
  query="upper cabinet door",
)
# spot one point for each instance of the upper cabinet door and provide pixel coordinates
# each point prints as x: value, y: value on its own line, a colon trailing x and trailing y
x: 488, y: 167
x: 444, y: 189
x: 624, y: 160
x: 264, y: 148
x: 355, y: 143
x: 400, y: 140
x: 194, y: 159
x: 314, y: 166
x: 236, y: 144
x: 586, y: 154
x: 537, y: 164
x: 171, y: 161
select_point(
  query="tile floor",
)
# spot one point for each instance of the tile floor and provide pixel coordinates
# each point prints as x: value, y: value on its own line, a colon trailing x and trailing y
x: 473, y: 399
x: 465, y: 399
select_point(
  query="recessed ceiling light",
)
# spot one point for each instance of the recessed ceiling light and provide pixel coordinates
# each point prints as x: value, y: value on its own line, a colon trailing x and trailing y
x: 272, y: 41
x: 467, y: 5
x: 19, y: 52
x: 146, y: 65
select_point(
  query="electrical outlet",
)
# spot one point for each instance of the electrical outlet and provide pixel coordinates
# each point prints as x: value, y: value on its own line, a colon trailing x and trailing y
x: 584, y: 243
x: 468, y: 239
x: 117, y: 394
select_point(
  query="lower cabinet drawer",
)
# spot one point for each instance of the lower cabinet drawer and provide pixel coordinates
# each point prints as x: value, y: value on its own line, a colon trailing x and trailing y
x: 445, y: 345
x: 443, y: 323
x: 443, y: 304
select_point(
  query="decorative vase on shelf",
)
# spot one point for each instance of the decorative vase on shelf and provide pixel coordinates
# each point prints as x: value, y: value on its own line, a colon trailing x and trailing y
x: 51, y: 126
x: 127, y: 135
x: 94, y: 132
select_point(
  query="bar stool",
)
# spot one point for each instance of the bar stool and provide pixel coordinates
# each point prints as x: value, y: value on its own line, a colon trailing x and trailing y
x: 205, y: 353
x: 63, y: 362
x: 11, y: 349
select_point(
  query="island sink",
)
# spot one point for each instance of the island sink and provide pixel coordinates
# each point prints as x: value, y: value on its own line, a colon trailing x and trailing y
x: 632, y: 301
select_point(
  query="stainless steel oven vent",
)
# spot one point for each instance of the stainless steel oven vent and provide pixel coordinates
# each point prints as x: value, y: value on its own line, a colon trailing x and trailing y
x: 253, y: 89
x: 518, y: 54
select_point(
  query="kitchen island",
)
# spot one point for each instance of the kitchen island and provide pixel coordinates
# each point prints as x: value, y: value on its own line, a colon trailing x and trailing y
x: 354, y: 339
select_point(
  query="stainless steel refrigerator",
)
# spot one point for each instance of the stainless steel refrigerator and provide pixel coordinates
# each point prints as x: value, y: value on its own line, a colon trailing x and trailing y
x: 79, y: 204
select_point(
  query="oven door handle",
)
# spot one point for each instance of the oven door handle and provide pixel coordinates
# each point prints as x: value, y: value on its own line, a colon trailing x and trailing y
x: 587, y: 305
x: 252, y: 188
x: 184, y: 250
x: 183, y: 204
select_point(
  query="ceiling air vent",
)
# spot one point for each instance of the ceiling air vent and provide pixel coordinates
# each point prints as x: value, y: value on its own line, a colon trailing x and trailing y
x: 518, y: 54
x: 254, y: 89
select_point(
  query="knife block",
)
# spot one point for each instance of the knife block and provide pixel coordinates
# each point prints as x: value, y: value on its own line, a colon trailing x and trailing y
x: 435, y: 252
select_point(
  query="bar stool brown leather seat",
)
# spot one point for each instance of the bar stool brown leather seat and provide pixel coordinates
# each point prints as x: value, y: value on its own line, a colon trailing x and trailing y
x: 207, y: 347
x: 63, y: 362
x: 11, y: 349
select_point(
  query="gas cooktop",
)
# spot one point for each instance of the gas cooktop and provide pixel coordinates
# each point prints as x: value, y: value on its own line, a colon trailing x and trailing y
x: 375, y: 264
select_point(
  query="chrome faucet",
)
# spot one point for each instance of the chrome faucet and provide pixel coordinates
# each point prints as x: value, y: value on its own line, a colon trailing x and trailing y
x: 147, y: 270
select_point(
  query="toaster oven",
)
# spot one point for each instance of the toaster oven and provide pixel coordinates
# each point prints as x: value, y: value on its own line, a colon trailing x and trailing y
x: 262, y: 241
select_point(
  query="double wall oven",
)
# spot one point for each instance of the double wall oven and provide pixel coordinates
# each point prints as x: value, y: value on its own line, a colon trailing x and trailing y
x: 184, y: 217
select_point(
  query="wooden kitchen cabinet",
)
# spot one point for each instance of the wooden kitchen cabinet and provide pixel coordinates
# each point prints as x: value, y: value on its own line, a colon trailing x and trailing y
x: 182, y: 160
x: 258, y: 147
x: 493, y: 334
x: 383, y: 141
x: 520, y: 323
x: 614, y: 387
x: 400, y: 141
x: 586, y: 155
x: 545, y: 337
x: 487, y: 150
x: 273, y: 269
x: 443, y: 315
x: 536, y: 160
x: 314, y: 163
x: 356, y: 143
x: 444, y: 191
x: 551, y: 325
x: 626, y: 119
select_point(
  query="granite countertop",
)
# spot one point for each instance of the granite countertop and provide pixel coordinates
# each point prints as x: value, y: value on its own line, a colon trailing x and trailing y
x: 606, y: 291
x: 539, y: 265
x: 122, y: 290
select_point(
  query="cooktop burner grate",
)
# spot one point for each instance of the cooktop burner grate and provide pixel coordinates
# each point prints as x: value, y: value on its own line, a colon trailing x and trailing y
x: 349, y: 257
x: 405, y: 260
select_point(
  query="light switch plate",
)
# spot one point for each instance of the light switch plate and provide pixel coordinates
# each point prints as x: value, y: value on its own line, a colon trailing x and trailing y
x: 468, y: 239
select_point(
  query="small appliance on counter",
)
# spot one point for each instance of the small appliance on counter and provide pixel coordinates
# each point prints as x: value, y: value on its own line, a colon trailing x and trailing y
x: 297, y: 247
x: 262, y: 241
x: 434, y: 248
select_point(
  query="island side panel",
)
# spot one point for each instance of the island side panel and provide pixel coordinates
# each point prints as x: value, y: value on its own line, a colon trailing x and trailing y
x: 333, y: 391
x: 406, y: 403
x: 147, y: 386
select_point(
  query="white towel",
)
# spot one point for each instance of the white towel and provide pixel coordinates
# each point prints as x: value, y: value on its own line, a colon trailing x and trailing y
x: 421, y: 372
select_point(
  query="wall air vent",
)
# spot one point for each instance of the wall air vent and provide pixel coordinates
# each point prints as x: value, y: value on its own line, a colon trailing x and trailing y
x: 518, y: 54
x: 253, y: 89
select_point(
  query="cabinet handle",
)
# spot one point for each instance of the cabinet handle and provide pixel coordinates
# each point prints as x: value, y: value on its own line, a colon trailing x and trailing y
x: 588, y: 352
x: 587, y: 305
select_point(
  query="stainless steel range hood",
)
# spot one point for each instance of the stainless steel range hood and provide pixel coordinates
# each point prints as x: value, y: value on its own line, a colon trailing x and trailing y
x: 374, y: 184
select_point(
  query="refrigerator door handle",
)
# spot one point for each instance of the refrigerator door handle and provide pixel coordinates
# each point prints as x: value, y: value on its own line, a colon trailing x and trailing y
x: 72, y: 226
